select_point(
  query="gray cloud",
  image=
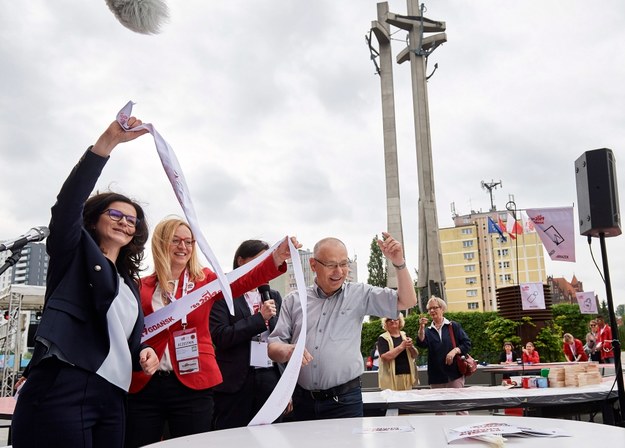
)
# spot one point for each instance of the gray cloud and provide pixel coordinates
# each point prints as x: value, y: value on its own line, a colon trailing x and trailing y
x: 274, y: 112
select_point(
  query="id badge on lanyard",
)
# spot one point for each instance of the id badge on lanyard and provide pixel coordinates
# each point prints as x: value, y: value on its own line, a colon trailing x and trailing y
x: 258, y: 354
x: 185, y: 340
x: 187, y: 351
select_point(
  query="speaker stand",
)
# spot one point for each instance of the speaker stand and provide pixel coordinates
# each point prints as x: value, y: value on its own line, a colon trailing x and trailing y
x: 616, y: 344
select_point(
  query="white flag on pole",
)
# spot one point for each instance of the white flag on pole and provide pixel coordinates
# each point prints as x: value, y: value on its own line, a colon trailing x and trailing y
x: 555, y: 228
x: 528, y: 224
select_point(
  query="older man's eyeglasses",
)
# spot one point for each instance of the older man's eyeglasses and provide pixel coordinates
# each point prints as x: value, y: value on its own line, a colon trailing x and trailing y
x: 434, y: 308
x: 333, y: 265
x: 117, y: 216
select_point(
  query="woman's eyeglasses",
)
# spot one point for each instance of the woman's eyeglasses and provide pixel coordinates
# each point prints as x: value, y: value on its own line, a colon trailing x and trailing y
x: 187, y: 242
x: 434, y: 308
x: 117, y: 216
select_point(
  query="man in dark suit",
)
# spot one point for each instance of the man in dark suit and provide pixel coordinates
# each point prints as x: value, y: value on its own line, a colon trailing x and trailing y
x: 249, y: 376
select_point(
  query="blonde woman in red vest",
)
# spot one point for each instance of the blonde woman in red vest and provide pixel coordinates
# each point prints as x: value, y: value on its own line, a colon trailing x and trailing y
x: 573, y: 349
x: 180, y: 392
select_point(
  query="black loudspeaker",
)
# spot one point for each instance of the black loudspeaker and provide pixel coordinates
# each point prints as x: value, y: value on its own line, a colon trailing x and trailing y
x: 597, y: 193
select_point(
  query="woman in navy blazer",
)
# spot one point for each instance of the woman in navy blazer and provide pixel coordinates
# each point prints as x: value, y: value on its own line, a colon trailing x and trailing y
x: 88, y: 341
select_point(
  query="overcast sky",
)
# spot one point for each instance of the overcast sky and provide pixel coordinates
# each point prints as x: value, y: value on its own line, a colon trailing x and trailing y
x: 273, y: 109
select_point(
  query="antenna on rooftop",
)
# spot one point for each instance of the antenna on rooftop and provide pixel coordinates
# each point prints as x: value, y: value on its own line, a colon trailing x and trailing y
x: 490, y: 186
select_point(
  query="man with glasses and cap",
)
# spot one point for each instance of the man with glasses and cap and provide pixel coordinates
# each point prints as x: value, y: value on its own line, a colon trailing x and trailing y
x: 329, y: 380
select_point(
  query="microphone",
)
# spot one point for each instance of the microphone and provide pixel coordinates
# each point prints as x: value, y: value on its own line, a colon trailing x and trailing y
x: 140, y: 16
x: 264, y: 292
x: 34, y: 234
x: 264, y: 296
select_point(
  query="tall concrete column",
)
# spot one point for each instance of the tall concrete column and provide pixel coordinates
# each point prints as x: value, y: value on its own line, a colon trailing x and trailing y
x: 431, y: 278
x: 393, y: 205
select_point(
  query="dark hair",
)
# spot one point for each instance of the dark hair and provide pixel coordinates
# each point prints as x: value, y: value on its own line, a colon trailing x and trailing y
x: 248, y: 249
x: 131, y: 255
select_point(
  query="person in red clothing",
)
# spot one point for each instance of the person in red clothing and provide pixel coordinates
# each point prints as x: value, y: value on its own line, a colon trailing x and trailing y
x: 604, y: 341
x: 530, y: 355
x: 573, y: 349
x: 182, y: 397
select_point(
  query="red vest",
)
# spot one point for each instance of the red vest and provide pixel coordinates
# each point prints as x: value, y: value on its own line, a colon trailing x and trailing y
x: 209, y: 374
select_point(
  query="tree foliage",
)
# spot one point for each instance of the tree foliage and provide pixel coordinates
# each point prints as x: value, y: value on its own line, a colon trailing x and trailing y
x: 376, y: 265
x: 570, y: 320
x: 548, y: 343
x: 499, y: 330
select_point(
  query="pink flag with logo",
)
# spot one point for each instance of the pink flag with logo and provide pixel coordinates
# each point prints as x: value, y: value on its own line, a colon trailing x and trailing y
x: 555, y: 228
x: 587, y: 302
x: 532, y: 296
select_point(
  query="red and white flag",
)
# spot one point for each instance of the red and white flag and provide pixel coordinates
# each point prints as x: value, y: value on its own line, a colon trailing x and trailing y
x: 555, y: 229
x: 513, y: 228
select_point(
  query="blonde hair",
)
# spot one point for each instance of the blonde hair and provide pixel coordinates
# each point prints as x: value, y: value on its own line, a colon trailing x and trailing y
x: 161, y: 240
x: 568, y: 337
x: 400, y: 318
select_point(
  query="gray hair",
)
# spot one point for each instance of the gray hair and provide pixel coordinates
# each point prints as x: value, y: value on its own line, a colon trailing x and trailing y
x: 438, y: 301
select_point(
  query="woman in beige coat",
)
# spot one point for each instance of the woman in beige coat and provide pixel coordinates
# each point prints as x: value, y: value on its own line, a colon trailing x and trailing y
x: 398, y: 370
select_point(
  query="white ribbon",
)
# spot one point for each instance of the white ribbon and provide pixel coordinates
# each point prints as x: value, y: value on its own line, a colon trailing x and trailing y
x: 281, y: 395
x: 176, y: 178
x: 164, y: 317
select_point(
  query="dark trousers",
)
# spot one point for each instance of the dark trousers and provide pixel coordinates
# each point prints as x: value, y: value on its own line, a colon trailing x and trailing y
x: 348, y: 404
x: 62, y: 405
x: 166, y: 400
x: 233, y: 410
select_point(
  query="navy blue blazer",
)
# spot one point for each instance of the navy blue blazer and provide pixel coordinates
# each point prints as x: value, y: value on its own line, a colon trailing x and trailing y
x: 82, y: 283
x: 232, y: 336
x: 438, y: 371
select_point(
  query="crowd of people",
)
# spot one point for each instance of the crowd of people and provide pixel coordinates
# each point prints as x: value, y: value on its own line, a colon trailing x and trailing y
x: 93, y: 382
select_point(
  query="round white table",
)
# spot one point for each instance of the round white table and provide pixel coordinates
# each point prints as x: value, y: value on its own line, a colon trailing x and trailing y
x: 426, y: 431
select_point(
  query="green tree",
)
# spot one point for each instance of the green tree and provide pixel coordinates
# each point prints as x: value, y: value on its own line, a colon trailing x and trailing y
x: 620, y: 310
x: 499, y: 330
x: 570, y: 320
x: 376, y: 265
x: 548, y: 343
x: 603, y: 310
